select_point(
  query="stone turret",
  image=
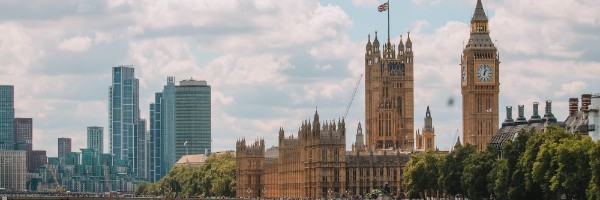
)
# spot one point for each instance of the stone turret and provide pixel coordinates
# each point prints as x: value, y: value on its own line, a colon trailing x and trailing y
x: 360, y: 140
x: 400, y: 47
x: 408, y: 43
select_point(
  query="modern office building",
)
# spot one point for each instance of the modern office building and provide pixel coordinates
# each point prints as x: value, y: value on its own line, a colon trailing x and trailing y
x: 22, y: 135
x: 64, y: 147
x: 179, y: 124
x: 162, y: 131
x: 89, y: 157
x: 124, y: 116
x: 36, y: 159
x: 7, y: 115
x: 168, y: 124
x: 155, y: 142
x: 95, y: 138
x: 142, y: 167
x: 192, y: 118
x: 72, y: 158
x: 13, y: 171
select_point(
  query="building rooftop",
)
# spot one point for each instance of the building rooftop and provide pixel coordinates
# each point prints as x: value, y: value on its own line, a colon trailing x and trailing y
x: 196, y: 159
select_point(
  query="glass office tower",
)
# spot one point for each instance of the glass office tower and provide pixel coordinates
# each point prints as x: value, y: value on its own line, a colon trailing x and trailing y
x: 7, y: 116
x: 155, y: 147
x: 192, y: 118
x: 124, y: 115
x: 168, y: 124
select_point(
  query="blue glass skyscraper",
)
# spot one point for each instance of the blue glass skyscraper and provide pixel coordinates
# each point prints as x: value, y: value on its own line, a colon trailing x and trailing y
x: 168, y: 124
x: 155, y: 147
x: 7, y: 117
x: 124, y: 116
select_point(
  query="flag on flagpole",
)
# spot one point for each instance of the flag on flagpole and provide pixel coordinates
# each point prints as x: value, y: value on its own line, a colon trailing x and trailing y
x: 489, y: 110
x: 383, y: 7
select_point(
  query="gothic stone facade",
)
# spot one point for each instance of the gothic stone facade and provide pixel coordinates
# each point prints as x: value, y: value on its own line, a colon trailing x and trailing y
x: 480, y: 83
x: 426, y: 137
x: 389, y: 95
x: 315, y: 165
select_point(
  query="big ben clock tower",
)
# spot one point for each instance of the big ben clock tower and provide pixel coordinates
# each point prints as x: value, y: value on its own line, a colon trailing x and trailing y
x: 480, y: 76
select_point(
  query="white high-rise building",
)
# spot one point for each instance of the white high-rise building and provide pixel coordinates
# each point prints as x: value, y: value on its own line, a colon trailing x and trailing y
x: 13, y: 170
x: 95, y: 138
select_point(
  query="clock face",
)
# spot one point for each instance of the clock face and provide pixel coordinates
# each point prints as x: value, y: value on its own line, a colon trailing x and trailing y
x: 464, y: 74
x: 484, y: 73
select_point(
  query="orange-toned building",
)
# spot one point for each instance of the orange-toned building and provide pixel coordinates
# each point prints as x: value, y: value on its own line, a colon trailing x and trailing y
x: 315, y: 165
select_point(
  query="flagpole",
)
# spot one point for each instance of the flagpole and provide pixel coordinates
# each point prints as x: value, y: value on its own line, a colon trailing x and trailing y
x: 388, y: 3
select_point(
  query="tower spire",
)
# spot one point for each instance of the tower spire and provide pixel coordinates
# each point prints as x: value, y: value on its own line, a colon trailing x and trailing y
x: 479, y: 14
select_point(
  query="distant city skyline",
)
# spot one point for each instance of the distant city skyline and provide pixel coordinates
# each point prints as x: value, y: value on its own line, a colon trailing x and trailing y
x: 59, y: 59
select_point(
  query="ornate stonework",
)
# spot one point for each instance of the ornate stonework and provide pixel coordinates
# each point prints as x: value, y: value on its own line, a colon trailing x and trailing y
x: 426, y: 138
x: 315, y: 165
x: 480, y: 81
x: 389, y: 94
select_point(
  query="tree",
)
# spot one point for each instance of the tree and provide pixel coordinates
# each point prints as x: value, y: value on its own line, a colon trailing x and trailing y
x: 414, y: 172
x: 524, y: 170
x: 573, y: 170
x: 422, y: 172
x: 215, y: 177
x: 500, y: 177
x: 593, y: 189
x: 141, y: 189
x: 452, y: 169
x: 512, y: 152
x: 475, y: 181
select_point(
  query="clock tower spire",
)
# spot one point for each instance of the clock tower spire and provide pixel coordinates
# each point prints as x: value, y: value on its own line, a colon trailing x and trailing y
x: 480, y: 76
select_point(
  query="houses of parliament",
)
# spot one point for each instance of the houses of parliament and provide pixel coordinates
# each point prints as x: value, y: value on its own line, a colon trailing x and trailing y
x: 314, y: 162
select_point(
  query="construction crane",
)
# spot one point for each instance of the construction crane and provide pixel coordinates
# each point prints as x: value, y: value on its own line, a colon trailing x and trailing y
x: 58, y: 187
x: 352, y: 97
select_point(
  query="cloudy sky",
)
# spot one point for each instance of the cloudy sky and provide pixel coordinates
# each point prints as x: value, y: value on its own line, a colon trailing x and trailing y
x: 270, y: 63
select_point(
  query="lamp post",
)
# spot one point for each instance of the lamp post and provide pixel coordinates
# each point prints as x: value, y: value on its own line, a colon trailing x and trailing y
x: 329, y: 192
x: 248, y: 191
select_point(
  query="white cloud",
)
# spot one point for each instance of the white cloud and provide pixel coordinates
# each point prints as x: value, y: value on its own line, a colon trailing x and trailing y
x: 366, y: 3
x: 219, y: 97
x: 426, y: 2
x: 101, y: 37
x: 338, y: 48
x: 77, y: 44
x: 308, y: 94
x: 18, y: 51
x: 269, y: 63
x: 572, y: 88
